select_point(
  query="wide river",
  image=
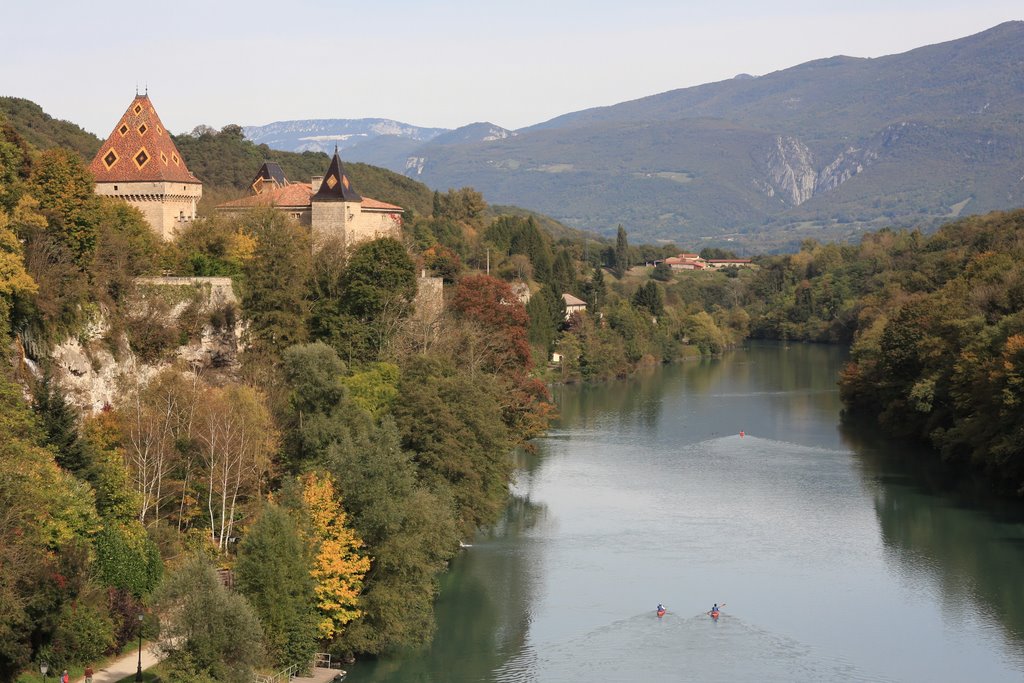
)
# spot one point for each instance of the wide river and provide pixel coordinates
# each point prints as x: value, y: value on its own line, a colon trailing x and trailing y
x: 835, y: 557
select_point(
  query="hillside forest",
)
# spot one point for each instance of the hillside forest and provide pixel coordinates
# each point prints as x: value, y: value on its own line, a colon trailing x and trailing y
x: 308, y: 496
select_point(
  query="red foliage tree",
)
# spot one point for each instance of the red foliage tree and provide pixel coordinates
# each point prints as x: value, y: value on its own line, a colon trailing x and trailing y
x: 490, y: 303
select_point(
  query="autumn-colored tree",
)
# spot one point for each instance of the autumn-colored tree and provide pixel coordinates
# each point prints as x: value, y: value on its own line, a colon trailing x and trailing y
x: 338, y: 566
x: 15, y: 282
x: 490, y: 303
x: 236, y: 437
x: 156, y: 419
x: 64, y: 188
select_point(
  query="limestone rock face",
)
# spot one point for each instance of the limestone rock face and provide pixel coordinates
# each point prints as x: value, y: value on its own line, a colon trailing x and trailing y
x: 92, y: 368
x: 791, y: 170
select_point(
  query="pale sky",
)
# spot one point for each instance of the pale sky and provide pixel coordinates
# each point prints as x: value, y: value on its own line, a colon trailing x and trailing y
x: 442, y: 63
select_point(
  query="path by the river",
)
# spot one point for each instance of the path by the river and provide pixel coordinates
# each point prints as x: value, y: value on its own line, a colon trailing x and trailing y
x: 125, y: 666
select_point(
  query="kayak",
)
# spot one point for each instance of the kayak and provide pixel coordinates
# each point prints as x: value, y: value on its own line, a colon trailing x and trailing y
x: 661, y: 613
x: 714, y: 615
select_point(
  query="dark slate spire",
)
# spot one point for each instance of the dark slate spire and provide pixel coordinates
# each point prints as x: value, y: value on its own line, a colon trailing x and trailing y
x: 336, y: 185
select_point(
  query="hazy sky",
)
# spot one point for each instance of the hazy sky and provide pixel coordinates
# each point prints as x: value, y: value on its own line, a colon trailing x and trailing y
x: 443, y: 63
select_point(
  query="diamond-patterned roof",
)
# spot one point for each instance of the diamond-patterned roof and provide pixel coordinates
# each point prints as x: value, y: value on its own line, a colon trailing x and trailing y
x: 140, y: 149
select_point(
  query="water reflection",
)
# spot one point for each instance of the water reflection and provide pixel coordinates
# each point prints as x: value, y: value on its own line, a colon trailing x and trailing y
x: 645, y: 492
x: 939, y: 527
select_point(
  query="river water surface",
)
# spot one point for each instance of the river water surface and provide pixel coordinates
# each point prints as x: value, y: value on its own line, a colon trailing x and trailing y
x: 834, y: 559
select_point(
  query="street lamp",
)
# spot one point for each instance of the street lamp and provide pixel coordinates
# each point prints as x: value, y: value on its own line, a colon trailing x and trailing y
x: 43, y: 668
x: 138, y: 673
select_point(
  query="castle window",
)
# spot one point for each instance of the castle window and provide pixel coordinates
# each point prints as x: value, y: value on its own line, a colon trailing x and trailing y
x: 115, y: 188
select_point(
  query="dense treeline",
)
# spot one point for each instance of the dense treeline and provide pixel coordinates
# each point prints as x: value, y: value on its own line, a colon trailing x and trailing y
x: 334, y: 471
x: 939, y: 352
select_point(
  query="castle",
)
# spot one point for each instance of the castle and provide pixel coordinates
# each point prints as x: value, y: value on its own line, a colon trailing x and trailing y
x: 140, y: 164
x: 328, y: 204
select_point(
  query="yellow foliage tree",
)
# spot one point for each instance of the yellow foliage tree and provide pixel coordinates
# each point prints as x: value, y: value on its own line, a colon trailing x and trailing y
x: 338, y: 566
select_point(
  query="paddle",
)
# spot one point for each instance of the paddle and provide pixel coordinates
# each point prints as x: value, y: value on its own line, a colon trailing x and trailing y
x: 711, y: 611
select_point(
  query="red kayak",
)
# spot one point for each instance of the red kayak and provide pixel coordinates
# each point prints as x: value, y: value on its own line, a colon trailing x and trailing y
x: 661, y: 613
x: 714, y: 615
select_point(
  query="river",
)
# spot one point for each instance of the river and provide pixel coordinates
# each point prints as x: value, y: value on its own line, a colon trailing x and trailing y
x: 835, y: 558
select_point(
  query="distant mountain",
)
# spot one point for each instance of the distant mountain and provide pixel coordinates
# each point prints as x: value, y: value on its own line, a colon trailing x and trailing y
x: 382, y: 142
x: 321, y: 135
x: 825, y: 149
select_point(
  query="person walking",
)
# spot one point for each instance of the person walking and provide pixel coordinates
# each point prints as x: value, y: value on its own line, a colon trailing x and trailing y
x: 64, y: 678
x: 88, y: 674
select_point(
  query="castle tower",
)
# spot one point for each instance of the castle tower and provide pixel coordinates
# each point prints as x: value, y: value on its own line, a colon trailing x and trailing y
x: 335, y: 206
x: 340, y: 213
x: 140, y: 164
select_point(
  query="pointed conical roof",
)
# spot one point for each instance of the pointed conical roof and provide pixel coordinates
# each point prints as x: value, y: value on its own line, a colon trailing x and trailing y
x: 336, y: 185
x: 270, y: 173
x: 140, y: 149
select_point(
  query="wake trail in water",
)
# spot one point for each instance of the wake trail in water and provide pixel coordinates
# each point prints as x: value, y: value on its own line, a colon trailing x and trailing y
x: 677, y: 647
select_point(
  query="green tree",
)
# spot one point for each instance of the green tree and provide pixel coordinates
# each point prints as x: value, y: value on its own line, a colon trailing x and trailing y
x: 273, y: 573
x: 649, y: 298
x: 621, y: 264
x: 359, y: 309
x: 453, y: 425
x: 64, y: 188
x: 546, y: 316
x: 207, y: 631
x: 274, y: 291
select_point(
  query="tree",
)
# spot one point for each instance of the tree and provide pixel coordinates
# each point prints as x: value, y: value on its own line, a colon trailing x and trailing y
x: 236, y: 437
x: 546, y: 316
x: 649, y: 298
x: 206, y: 630
x: 621, y: 264
x: 273, y: 572
x: 156, y: 420
x: 15, y: 282
x: 338, y: 566
x: 563, y: 274
x: 65, y: 191
x: 454, y: 426
x: 490, y: 303
x: 359, y: 310
x: 274, y: 294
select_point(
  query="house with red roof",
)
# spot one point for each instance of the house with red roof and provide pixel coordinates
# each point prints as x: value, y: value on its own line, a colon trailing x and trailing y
x: 140, y: 164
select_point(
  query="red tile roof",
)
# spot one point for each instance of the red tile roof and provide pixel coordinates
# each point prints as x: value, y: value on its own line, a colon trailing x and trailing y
x: 140, y: 149
x: 374, y: 204
x: 296, y: 194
